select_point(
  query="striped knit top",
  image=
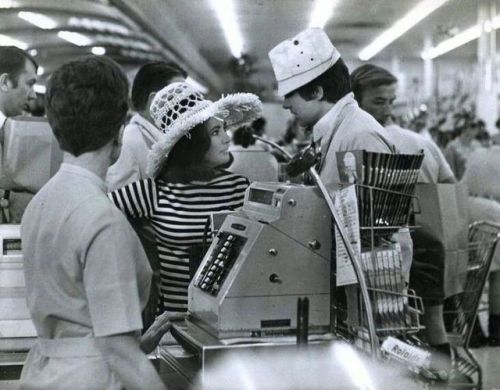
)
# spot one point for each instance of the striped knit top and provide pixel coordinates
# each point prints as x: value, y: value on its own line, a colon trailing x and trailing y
x: 178, y: 214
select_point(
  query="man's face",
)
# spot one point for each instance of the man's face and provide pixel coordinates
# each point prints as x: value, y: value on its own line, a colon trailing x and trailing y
x: 378, y: 102
x: 307, y: 112
x: 18, y: 96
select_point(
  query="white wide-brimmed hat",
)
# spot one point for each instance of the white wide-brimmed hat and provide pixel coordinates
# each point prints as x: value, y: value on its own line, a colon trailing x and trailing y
x: 179, y: 107
x: 299, y: 60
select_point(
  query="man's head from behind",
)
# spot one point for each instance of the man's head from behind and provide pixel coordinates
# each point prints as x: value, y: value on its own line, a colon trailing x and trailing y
x: 86, y: 103
x: 310, y: 73
x: 17, y: 78
x: 375, y: 90
x: 150, y: 79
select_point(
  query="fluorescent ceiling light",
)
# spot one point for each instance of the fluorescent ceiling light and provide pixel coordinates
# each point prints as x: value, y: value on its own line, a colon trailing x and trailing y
x: 74, y: 38
x: 39, y: 88
x: 195, y: 84
x: 227, y: 19
x: 98, y: 50
x: 322, y: 11
x: 8, y: 41
x: 420, y: 12
x: 460, y: 39
x: 38, y: 20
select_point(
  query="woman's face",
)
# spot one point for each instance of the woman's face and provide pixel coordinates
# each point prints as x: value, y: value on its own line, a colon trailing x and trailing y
x: 218, y: 153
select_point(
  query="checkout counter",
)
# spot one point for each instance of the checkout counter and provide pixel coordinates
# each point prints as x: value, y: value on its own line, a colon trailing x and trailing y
x: 246, y: 304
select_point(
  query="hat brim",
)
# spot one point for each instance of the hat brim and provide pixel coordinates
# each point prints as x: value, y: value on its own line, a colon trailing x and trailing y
x: 235, y: 110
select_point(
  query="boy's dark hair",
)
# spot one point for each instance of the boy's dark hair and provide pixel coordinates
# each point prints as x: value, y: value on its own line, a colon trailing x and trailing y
x: 86, y: 103
x: 335, y: 83
x: 185, y: 161
x: 370, y: 76
x: 13, y: 61
x: 151, y: 78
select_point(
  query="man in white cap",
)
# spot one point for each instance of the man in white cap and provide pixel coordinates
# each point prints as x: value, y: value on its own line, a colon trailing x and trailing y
x: 314, y: 80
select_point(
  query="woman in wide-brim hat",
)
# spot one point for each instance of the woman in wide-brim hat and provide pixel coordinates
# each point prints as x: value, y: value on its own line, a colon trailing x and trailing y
x: 188, y: 181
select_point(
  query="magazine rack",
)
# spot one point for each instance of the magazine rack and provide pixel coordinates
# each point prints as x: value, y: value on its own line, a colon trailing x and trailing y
x: 385, y: 186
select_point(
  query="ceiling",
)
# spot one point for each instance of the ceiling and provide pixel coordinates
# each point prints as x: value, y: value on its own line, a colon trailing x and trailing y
x: 187, y: 31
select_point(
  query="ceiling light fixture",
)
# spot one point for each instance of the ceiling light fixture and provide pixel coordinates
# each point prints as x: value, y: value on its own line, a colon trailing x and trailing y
x: 74, y: 38
x: 98, y: 50
x: 227, y: 19
x: 8, y: 41
x: 322, y: 11
x: 40, y: 70
x: 39, y: 20
x: 460, y: 39
x: 413, y: 17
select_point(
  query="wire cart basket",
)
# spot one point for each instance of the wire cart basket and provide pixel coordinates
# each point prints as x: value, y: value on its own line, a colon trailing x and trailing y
x: 461, y: 310
x: 385, y: 188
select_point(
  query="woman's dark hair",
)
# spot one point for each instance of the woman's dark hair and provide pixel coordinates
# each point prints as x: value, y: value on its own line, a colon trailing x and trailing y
x: 86, y: 103
x: 185, y: 162
x: 335, y: 83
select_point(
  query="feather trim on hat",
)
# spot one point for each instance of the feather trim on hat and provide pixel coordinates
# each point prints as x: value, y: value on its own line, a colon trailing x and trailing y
x: 235, y: 109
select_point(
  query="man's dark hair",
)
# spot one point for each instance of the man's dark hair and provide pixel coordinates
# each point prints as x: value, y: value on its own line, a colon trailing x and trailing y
x: 151, y: 78
x: 86, y: 103
x: 13, y: 61
x: 370, y: 76
x: 335, y: 83
x: 185, y: 162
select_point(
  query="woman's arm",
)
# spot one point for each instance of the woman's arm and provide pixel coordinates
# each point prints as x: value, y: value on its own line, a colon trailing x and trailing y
x: 136, y: 199
x: 130, y: 365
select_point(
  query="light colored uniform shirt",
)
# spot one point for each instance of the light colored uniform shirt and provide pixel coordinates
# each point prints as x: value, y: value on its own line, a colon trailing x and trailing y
x: 138, y: 137
x: 87, y: 276
x: 346, y: 127
x: 457, y: 153
x: 482, y: 176
x: 435, y: 168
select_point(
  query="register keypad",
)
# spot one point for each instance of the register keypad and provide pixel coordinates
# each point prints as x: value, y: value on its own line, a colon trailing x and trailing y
x: 220, y: 262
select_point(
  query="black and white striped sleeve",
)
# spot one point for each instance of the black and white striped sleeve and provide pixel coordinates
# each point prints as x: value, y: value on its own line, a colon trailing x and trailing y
x: 137, y: 199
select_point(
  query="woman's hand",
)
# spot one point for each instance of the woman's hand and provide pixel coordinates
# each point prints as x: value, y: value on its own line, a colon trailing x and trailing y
x: 161, y: 325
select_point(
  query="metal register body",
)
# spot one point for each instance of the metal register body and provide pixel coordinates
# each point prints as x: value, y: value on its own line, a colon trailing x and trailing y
x: 277, y: 249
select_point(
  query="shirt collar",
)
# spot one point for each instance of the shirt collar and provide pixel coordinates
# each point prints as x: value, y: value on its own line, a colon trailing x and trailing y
x: 143, y: 122
x: 330, y: 119
x: 3, y: 118
x: 80, y: 171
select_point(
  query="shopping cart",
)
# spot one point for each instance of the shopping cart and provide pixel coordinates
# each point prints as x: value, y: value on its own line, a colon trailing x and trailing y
x: 461, y: 310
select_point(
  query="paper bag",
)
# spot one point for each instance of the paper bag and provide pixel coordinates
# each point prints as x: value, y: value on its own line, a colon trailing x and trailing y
x: 443, y: 234
x: 31, y: 154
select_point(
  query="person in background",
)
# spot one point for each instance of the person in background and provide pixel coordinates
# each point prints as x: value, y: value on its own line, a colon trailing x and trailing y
x: 141, y: 133
x: 375, y: 90
x: 87, y: 276
x: 138, y: 137
x: 482, y: 177
x: 17, y: 79
x: 186, y: 181
x: 459, y: 149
